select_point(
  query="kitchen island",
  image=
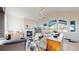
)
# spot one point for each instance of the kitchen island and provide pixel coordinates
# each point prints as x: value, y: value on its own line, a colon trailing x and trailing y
x: 53, y: 45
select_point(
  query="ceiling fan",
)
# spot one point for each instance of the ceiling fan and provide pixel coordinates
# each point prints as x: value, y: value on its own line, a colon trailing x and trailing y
x: 43, y: 12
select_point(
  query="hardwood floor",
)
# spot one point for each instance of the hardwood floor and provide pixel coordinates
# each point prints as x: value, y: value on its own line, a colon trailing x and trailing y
x: 70, y: 46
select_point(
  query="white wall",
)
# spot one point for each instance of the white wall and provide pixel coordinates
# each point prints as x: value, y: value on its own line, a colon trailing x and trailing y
x: 73, y: 35
x: 17, y: 23
x: 1, y: 25
x: 14, y: 23
x: 68, y: 16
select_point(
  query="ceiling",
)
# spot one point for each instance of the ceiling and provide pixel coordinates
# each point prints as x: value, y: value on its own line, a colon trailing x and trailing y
x: 37, y: 12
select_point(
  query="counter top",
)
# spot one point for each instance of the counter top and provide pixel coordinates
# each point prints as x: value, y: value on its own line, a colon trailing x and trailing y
x: 58, y: 38
x: 7, y: 42
x: 55, y: 39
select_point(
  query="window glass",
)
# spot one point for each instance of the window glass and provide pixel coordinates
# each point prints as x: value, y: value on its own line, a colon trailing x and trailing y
x: 52, y: 25
x: 62, y: 26
x: 58, y: 25
x: 72, y: 26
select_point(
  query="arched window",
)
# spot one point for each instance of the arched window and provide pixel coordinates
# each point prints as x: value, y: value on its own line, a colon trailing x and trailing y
x: 52, y: 24
x: 62, y: 26
x: 58, y: 25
